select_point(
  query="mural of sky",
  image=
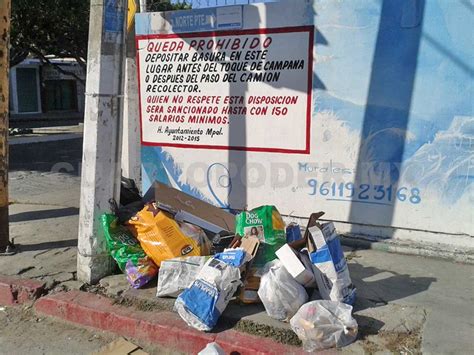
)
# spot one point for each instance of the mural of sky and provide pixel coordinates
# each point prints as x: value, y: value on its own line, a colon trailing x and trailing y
x: 393, y: 102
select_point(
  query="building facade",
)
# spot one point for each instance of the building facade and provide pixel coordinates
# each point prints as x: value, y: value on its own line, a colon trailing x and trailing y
x: 41, y: 90
x: 386, y: 146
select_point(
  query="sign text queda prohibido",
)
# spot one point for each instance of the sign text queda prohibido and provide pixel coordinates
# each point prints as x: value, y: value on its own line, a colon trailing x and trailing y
x: 198, y: 88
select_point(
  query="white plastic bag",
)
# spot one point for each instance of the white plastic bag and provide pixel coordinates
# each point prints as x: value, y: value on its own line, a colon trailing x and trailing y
x: 177, y: 274
x: 324, y: 324
x: 212, y: 349
x: 280, y: 293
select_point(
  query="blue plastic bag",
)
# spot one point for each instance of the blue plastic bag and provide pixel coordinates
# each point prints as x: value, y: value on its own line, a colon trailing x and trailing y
x: 234, y: 257
x: 201, y: 305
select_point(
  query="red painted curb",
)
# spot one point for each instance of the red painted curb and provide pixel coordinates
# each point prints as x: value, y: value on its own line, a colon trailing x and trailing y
x: 164, y: 328
x: 17, y: 291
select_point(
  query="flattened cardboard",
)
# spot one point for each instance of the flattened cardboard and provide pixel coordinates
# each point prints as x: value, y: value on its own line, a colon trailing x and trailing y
x: 305, y: 241
x: 250, y: 245
x: 120, y: 346
x: 248, y: 293
x: 312, y: 223
x: 189, y: 209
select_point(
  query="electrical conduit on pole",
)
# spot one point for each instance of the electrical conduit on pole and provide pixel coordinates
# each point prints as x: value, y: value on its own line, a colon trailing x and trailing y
x: 100, y: 178
x: 131, y: 159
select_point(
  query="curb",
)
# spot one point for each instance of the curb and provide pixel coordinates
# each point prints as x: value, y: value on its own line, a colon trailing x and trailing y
x: 158, y: 328
x: 396, y: 247
x: 44, y: 138
x: 17, y: 291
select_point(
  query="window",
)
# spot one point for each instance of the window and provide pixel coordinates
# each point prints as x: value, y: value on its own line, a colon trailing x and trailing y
x: 27, y: 89
x: 60, y: 95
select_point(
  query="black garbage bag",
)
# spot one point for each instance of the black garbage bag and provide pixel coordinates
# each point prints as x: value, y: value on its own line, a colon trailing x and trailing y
x: 130, y: 201
x: 128, y: 191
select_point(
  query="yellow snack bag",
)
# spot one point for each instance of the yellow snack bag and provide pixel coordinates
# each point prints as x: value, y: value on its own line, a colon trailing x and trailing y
x: 162, y: 238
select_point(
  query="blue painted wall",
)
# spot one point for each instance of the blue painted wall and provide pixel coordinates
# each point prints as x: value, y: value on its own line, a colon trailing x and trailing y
x: 393, y: 103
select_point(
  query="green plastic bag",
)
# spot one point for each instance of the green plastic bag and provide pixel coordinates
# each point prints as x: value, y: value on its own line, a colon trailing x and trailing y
x: 266, y: 224
x: 127, y: 252
x: 121, y: 244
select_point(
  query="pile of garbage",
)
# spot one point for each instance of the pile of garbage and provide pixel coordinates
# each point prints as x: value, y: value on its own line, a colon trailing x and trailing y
x: 205, y: 257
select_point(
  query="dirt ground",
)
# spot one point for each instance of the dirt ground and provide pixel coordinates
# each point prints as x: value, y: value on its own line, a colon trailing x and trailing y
x: 23, y: 332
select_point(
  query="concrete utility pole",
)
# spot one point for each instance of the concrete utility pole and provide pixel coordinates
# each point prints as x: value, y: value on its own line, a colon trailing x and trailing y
x: 131, y: 159
x: 101, y: 148
x: 5, y: 6
x: 143, y: 6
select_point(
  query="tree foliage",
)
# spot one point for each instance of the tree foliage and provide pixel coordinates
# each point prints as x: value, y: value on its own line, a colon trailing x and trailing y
x: 49, y: 28
x: 160, y: 5
x: 58, y: 28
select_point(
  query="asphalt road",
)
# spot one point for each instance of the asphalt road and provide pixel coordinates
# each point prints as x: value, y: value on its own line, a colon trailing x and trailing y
x: 56, y: 156
x: 43, y: 122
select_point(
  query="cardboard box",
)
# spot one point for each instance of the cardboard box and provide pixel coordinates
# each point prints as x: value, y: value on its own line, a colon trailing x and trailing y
x: 292, y: 263
x: 248, y: 293
x: 312, y: 221
x: 189, y: 209
x: 250, y: 245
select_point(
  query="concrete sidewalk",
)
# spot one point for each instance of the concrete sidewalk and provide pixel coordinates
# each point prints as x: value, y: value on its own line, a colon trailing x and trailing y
x: 48, y: 134
x: 405, y: 304
x: 43, y: 223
